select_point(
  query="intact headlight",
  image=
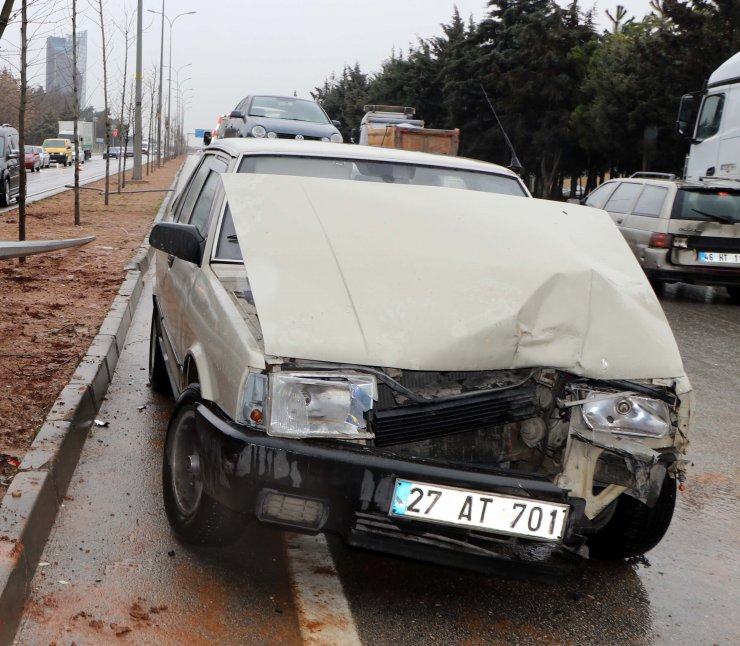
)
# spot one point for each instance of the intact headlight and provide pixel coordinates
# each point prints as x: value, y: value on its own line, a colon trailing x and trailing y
x: 319, y: 405
x: 259, y: 132
x: 627, y: 414
x: 337, y: 138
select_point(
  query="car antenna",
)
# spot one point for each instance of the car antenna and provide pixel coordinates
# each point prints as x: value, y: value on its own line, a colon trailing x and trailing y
x: 514, y: 164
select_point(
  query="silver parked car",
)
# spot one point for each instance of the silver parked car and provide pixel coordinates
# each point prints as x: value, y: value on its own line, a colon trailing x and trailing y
x: 410, y: 351
x: 679, y: 231
x: 44, y: 156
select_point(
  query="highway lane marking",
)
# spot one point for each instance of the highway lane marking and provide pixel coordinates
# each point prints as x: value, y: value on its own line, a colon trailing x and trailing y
x: 324, y: 615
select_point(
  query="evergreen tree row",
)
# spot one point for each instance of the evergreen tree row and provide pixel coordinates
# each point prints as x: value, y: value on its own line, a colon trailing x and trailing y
x: 573, y: 101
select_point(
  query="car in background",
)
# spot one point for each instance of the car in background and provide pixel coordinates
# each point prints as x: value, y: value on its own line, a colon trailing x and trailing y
x: 408, y: 350
x: 60, y: 150
x: 31, y: 159
x: 113, y: 152
x: 680, y: 231
x: 279, y: 117
x: 9, y: 165
x: 44, y: 156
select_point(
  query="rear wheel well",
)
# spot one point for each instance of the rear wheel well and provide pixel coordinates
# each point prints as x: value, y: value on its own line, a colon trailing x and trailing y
x: 190, y: 373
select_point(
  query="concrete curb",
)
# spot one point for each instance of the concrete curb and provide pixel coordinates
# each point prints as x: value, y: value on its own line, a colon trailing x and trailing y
x: 30, y: 506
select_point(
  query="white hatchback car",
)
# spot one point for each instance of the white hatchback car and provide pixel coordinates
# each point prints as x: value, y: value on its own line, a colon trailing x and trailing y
x: 410, y: 351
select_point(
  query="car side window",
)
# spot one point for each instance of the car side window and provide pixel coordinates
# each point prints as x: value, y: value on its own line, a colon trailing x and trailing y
x: 711, y: 116
x: 209, y: 163
x: 227, y: 245
x: 651, y: 201
x: 623, y: 198
x: 598, y: 196
x: 202, y: 207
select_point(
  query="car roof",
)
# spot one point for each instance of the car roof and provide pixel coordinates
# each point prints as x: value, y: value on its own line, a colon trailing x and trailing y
x: 238, y: 145
x: 705, y: 183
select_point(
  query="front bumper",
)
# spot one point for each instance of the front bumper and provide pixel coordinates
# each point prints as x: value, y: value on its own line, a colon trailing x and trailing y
x: 355, y: 485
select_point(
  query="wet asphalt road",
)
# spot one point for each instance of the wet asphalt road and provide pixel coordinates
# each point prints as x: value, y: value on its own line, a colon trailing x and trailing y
x: 112, y: 565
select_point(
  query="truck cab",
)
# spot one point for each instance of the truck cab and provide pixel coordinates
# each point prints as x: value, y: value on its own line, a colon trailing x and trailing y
x: 710, y: 119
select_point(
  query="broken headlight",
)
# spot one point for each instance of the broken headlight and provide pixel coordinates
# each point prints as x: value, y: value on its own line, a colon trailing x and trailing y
x: 319, y: 405
x: 627, y: 414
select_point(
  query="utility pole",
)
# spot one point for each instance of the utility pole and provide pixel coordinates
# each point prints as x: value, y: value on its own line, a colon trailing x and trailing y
x: 137, y: 105
x: 159, y: 106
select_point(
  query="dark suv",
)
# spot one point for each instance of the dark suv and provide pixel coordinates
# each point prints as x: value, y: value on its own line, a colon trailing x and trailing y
x: 9, y: 165
x: 680, y: 231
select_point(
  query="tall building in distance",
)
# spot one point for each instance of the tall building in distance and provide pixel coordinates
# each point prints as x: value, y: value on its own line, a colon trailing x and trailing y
x: 59, y: 65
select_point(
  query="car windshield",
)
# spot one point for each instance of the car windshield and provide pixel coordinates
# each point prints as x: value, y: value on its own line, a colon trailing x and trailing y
x: 54, y: 143
x: 716, y: 204
x: 29, y: 149
x: 363, y: 170
x: 276, y: 107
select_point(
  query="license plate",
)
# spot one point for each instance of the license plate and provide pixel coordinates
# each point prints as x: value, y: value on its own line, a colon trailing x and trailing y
x: 729, y: 258
x: 481, y: 510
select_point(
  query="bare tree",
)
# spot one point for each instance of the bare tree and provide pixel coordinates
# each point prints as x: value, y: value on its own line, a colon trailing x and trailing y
x: 5, y: 15
x: 22, y: 127
x: 125, y: 29
x: 75, y: 111
x: 105, y: 102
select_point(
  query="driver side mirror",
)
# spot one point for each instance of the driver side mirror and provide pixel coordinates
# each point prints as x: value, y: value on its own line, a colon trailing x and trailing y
x: 207, y: 137
x: 14, y: 153
x: 236, y: 114
x: 687, y: 115
x: 336, y: 124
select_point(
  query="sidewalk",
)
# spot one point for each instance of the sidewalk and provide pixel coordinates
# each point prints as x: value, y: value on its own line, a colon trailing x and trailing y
x: 28, y: 511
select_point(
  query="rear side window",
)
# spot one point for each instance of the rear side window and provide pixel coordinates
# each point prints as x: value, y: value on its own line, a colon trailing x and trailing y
x: 651, y: 201
x: 623, y: 198
x: 710, y: 116
x: 600, y: 195
x: 715, y: 206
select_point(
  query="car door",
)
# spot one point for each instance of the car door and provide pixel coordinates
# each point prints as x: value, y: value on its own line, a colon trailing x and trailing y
x: 621, y: 203
x: 175, y: 277
x: 645, y: 218
x: 14, y: 159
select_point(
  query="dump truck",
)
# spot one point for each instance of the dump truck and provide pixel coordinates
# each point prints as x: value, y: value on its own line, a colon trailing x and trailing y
x: 394, y: 126
x: 85, y: 135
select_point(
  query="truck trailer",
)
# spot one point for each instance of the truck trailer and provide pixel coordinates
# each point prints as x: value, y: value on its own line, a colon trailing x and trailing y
x: 85, y: 134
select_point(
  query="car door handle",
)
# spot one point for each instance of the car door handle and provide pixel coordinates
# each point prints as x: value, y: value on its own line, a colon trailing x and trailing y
x: 620, y: 220
x: 170, y: 260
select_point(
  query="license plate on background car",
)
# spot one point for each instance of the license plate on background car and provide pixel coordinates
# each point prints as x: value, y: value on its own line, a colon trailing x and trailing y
x: 730, y: 258
x: 478, y: 509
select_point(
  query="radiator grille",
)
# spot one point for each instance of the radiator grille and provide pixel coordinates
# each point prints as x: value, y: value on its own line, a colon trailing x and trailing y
x: 418, y: 422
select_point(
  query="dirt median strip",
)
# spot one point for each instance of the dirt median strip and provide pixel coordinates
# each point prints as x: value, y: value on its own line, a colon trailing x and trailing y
x: 29, y: 508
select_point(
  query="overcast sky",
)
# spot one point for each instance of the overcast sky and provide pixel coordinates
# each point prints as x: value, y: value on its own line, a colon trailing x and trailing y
x: 231, y: 48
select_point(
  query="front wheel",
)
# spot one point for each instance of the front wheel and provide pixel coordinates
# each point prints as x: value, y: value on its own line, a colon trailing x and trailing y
x: 194, y: 516
x: 734, y: 292
x: 635, y: 528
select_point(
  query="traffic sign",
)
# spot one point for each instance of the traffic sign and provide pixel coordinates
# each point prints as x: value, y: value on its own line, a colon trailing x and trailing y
x: 115, y: 132
x: 199, y: 132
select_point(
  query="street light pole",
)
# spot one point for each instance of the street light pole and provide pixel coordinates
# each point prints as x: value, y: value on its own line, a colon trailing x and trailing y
x: 159, y: 107
x: 169, y: 75
x: 137, y: 105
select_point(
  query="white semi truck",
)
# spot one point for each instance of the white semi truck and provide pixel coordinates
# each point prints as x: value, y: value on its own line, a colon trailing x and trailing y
x: 715, y: 132
x: 84, y: 132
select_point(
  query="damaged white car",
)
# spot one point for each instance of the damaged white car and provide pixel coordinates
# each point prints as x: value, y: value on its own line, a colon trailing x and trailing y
x: 410, y: 351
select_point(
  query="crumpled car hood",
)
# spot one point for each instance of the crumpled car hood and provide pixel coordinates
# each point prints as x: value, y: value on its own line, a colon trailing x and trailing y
x: 428, y: 278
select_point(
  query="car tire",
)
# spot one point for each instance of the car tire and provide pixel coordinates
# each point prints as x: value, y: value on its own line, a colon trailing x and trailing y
x: 194, y: 516
x: 158, y: 378
x: 5, y: 193
x: 734, y: 293
x: 634, y: 528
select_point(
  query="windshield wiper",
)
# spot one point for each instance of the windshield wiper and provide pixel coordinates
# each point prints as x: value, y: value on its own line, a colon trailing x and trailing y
x: 728, y: 219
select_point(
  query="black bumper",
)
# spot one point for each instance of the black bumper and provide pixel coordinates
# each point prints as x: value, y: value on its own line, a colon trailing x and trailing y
x: 356, y: 485
x: 715, y: 276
